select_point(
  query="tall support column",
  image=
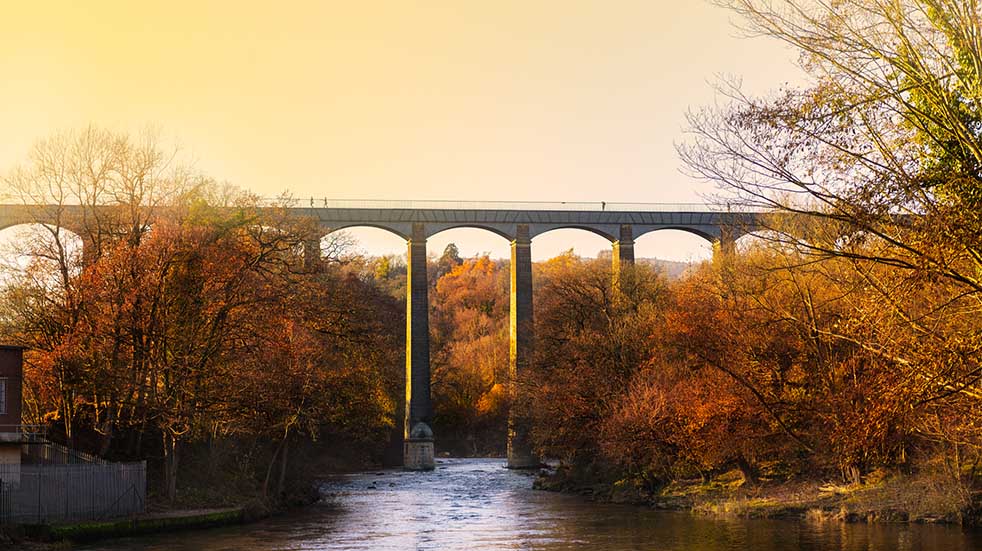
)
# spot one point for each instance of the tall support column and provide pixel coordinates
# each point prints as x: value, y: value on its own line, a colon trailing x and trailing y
x: 311, y: 255
x: 418, y: 448
x: 727, y: 242
x: 89, y: 252
x: 520, y: 454
x: 623, y: 257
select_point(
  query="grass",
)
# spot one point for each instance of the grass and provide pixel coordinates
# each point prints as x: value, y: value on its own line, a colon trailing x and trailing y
x: 929, y: 496
x: 92, y: 530
x: 898, y: 498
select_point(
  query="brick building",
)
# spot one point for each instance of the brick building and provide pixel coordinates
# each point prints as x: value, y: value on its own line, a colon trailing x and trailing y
x: 12, y: 433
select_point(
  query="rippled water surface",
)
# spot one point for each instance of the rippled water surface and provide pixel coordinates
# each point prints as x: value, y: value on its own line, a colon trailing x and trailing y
x: 476, y: 504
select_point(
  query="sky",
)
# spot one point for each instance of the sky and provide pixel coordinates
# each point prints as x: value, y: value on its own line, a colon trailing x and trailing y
x: 506, y: 100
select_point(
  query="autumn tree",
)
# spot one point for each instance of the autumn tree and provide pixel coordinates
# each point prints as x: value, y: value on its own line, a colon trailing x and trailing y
x: 888, y: 127
x: 470, y: 360
x: 191, y: 317
x: 449, y: 260
x: 104, y: 188
x: 590, y: 342
x: 873, y: 169
x: 325, y: 366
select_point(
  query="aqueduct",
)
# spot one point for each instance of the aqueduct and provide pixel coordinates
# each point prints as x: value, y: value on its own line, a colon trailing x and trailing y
x: 415, y: 221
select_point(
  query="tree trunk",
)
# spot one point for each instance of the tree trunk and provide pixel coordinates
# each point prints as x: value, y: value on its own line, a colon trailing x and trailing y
x: 170, y: 465
x: 272, y: 463
x: 852, y: 474
x: 283, y: 462
x: 67, y: 416
x: 107, y: 438
x: 108, y: 430
x: 747, y: 470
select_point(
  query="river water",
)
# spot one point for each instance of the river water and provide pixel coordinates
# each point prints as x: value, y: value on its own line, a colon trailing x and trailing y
x: 476, y: 504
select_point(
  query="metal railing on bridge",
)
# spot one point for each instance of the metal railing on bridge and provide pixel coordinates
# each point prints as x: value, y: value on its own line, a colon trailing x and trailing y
x: 437, y: 204
x: 586, y: 206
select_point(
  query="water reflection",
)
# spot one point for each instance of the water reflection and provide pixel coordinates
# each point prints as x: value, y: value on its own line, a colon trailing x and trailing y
x: 478, y: 505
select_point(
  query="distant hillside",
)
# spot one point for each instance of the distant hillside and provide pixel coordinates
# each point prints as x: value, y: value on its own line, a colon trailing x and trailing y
x: 671, y: 268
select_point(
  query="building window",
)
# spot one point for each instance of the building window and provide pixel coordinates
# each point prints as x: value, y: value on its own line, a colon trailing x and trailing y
x: 3, y: 396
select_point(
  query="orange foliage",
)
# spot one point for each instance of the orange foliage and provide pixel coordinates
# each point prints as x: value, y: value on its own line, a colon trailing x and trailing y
x: 470, y: 356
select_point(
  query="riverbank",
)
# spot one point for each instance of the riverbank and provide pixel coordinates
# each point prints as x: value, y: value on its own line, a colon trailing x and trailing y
x: 62, y: 535
x: 897, y: 498
x: 150, y: 523
x: 210, y: 497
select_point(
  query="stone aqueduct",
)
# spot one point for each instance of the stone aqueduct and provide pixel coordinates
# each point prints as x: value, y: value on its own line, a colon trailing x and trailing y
x: 619, y: 223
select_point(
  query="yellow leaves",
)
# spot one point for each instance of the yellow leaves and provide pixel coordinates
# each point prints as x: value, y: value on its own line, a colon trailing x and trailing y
x: 494, y: 401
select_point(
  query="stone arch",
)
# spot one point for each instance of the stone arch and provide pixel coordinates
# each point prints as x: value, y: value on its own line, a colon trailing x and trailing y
x: 369, y: 238
x: 673, y: 246
x: 713, y: 235
x: 72, y: 232
x: 16, y: 215
x: 402, y: 230
x: 8, y: 223
x: 555, y: 240
x: 73, y: 242
x: 435, y: 229
x: 471, y: 240
x: 606, y: 231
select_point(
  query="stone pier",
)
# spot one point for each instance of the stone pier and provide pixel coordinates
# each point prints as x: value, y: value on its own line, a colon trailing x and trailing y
x: 418, y: 447
x: 623, y: 254
x: 520, y: 454
x: 311, y: 254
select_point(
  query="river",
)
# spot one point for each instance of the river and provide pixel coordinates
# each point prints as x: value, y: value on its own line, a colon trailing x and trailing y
x: 476, y: 504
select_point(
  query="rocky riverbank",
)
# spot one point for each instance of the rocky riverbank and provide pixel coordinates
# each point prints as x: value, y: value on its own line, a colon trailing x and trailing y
x: 882, y: 498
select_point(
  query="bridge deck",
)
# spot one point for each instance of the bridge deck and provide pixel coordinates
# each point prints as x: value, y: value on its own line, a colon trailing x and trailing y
x: 500, y: 217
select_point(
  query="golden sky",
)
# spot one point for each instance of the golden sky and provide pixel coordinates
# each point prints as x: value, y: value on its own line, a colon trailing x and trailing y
x: 503, y: 100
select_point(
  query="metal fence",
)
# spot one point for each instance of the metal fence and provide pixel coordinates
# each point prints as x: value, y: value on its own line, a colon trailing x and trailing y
x: 38, y: 494
x: 52, y: 453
